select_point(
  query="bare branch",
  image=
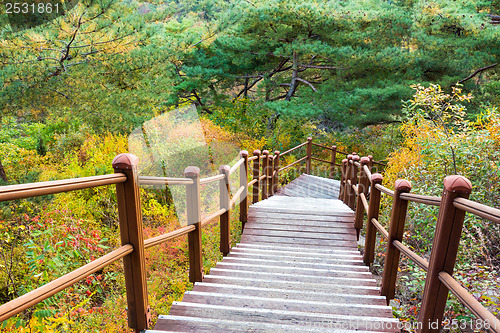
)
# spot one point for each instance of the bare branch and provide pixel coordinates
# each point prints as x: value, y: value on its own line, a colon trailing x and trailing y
x: 308, y: 83
x: 476, y: 72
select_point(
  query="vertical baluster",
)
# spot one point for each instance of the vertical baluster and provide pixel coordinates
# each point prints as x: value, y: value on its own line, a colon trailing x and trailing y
x: 224, y: 190
x: 256, y: 175
x: 348, y: 172
x: 193, y: 210
x: 343, y: 179
x: 354, y: 181
x: 373, y: 210
x: 265, y: 163
x: 362, y: 188
x: 309, y: 155
x: 396, y: 229
x: 444, y: 252
x: 276, y: 168
x: 332, y: 162
x: 130, y: 219
x: 244, y: 183
x: 270, y: 177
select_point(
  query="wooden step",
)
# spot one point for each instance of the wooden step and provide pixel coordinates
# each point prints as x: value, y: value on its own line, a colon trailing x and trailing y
x: 195, y: 324
x: 257, y: 302
x: 295, y: 269
x: 242, y: 252
x: 299, y: 249
x: 347, y: 281
x: 289, y: 294
x: 293, y: 262
x: 286, y: 317
x: 299, y: 241
x: 309, y: 285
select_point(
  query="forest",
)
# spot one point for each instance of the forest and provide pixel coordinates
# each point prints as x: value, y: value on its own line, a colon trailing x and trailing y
x: 415, y: 83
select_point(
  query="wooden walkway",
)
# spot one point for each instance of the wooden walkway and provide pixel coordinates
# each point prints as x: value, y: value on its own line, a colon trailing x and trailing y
x: 296, y: 269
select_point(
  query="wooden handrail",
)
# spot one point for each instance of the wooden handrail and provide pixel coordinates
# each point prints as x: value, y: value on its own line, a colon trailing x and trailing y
x: 36, y: 296
x: 380, y: 228
x: 149, y: 180
x: 385, y: 190
x: 421, y: 262
x: 236, y: 165
x: 425, y: 199
x: 294, y: 148
x: 212, y: 179
x: 292, y: 164
x: 470, y: 301
x: 478, y: 209
x: 22, y: 191
x: 157, y: 240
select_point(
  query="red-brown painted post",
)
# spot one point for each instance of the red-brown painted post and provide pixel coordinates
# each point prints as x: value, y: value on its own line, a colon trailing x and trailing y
x: 364, y: 182
x: 343, y: 178
x: 224, y: 190
x: 130, y: 219
x: 270, y: 177
x: 396, y: 229
x: 332, y: 161
x: 309, y: 155
x: 265, y: 163
x: 347, y: 188
x: 444, y: 252
x: 373, y: 210
x: 244, y: 194
x: 193, y: 210
x: 276, y: 168
x: 354, y: 181
x: 256, y: 175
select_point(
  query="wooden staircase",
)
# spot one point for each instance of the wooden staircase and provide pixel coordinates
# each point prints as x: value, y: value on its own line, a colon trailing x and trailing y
x: 297, y: 268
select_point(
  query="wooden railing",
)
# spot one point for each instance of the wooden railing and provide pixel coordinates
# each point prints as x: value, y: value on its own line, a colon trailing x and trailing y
x: 127, y: 184
x: 358, y: 181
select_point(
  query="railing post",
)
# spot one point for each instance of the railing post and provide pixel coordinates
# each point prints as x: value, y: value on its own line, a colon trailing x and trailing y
x: 396, y: 229
x: 270, y: 178
x: 343, y: 178
x: 244, y: 194
x: 130, y: 219
x: 373, y: 210
x: 193, y: 210
x: 332, y: 161
x: 354, y: 181
x: 265, y: 161
x: 224, y: 191
x: 364, y: 182
x: 256, y: 174
x: 444, y: 252
x: 347, y: 177
x: 309, y: 155
x: 276, y: 168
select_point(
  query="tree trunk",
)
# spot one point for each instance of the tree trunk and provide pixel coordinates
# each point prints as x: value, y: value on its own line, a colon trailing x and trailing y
x: 3, y: 176
x: 293, y: 83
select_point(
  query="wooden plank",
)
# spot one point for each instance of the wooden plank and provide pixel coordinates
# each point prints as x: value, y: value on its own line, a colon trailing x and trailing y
x: 300, y: 234
x: 248, y: 301
x: 309, y: 271
x: 309, y: 286
x: 351, y: 281
x: 207, y: 325
x: 289, y: 294
x: 269, y: 215
x: 277, y: 316
x: 299, y: 249
x: 300, y: 241
x: 302, y: 211
x: 333, y: 227
x: 303, y: 256
x: 294, y: 262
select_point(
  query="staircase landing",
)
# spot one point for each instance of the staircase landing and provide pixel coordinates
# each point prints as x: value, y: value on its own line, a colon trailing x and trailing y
x: 296, y: 269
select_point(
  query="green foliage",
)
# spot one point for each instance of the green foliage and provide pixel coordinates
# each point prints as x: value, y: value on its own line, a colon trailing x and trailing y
x: 435, y: 123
